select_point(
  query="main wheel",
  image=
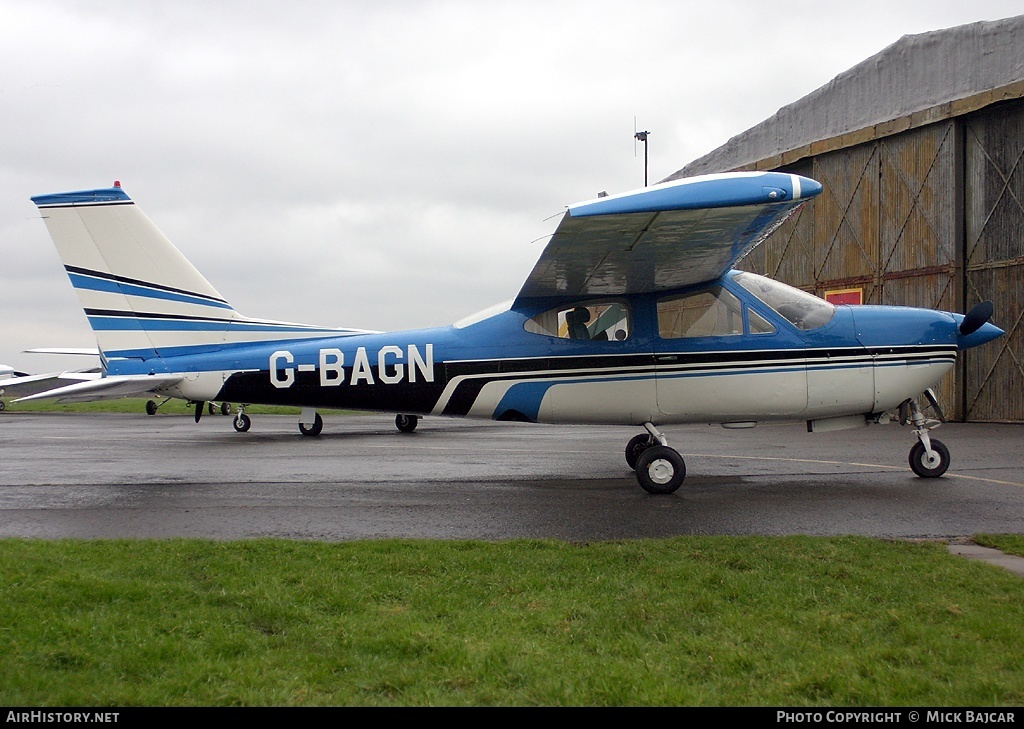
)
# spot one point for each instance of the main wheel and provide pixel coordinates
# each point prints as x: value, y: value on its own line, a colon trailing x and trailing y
x: 242, y: 423
x: 225, y: 408
x: 315, y: 428
x: 637, y: 445
x: 150, y: 407
x: 660, y: 470
x: 3, y: 406
x: 406, y: 423
x: 926, y: 467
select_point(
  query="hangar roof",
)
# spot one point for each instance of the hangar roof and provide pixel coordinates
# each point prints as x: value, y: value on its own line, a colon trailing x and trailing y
x: 917, y: 80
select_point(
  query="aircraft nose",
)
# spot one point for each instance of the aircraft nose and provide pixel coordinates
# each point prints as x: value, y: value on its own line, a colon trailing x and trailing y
x: 985, y: 333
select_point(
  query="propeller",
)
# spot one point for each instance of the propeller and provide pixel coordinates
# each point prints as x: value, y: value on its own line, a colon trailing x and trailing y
x: 976, y: 317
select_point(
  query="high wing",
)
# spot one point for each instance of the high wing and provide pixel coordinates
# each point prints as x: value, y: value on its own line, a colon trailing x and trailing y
x: 664, y: 236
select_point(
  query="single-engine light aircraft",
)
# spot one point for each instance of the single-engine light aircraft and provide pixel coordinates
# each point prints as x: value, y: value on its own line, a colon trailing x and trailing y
x: 634, y: 315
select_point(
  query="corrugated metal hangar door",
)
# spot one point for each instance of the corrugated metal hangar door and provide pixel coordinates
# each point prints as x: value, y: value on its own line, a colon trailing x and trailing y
x: 994, y: 211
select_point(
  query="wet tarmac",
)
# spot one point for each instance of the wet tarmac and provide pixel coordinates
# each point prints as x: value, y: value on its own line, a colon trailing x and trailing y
x: 108, y: 475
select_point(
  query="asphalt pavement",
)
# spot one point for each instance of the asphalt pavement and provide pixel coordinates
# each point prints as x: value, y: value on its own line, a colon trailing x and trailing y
x: 128, y: 475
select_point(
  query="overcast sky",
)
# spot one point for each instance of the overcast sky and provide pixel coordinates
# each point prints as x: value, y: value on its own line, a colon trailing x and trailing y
x: 381, y: 165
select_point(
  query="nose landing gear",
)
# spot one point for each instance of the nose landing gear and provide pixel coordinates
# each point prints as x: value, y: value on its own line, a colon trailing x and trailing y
x: 929, y: 458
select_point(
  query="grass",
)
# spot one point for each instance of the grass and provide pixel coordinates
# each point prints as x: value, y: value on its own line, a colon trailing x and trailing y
x: 1009, y: 543
x: 794, y: 621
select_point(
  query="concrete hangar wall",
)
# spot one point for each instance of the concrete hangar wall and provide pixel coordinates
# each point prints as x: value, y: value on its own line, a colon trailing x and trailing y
x: 919, y: 149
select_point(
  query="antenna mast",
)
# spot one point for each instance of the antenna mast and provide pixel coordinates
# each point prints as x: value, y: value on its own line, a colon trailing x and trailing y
x: 641, y: 136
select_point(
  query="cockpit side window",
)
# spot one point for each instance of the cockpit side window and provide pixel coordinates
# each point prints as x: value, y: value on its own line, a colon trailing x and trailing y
x: 803, y: 310
x: 712, y: 312
x: 604, y: 321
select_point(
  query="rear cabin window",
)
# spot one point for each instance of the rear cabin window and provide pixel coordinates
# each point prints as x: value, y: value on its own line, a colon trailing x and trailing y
x: 601, y: 322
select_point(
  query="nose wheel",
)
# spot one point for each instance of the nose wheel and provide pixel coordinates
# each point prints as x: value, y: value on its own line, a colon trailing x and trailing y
x: 929, y: 458
x: 929, y: 464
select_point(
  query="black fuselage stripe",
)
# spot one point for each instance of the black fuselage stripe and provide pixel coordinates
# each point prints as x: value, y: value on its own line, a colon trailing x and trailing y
x: 478, y: 374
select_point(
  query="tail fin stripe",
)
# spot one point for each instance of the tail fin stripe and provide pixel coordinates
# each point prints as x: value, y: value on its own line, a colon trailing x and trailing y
x: 100, y: 281
x: 107, y: 286
x: 118, y: 320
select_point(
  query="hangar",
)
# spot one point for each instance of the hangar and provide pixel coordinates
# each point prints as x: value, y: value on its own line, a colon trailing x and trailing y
x: 919, y: 148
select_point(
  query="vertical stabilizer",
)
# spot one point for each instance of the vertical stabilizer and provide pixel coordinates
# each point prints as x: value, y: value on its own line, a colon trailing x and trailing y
x: 140, y: 294
x: 142, y: 297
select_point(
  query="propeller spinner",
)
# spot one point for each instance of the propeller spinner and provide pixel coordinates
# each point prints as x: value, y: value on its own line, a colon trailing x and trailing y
x: 976, y: 317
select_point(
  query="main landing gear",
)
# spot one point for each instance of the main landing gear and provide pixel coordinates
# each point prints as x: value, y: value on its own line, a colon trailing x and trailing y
x: 310, y: 422
x: 242, y: 422
x: 406, y: 423
x: 929, y: 458
x: 659, y: 468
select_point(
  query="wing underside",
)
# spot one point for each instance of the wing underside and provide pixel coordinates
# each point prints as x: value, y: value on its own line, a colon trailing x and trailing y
x: 665, y: 236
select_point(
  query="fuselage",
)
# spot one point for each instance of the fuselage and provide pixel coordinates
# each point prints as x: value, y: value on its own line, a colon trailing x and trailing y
x: 735, y: 350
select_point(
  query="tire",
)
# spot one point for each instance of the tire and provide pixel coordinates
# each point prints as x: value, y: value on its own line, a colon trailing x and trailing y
x: 920, y: 464
x: 150, y: 407
x: 225, y: 408
x: 3, y: 406
x: 315, y: 429
x: 660, y: 470
x: 242, y: 423
x: 637, y: 445
x: 406, y: 423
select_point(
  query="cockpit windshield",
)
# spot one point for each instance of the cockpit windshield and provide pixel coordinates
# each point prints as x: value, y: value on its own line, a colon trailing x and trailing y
x: 801, y: 309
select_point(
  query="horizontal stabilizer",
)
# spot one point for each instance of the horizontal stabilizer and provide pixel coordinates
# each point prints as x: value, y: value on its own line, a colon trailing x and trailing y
x: 107, y: 388
x: 81, y: 351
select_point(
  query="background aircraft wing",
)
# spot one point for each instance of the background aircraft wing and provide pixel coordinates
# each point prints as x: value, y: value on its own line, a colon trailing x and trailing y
x: 25, y: 385
x: 664, y: 236
x: 106, y: 388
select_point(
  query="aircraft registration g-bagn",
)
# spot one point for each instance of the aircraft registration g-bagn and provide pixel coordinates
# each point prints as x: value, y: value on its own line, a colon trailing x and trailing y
x: 634, y: 315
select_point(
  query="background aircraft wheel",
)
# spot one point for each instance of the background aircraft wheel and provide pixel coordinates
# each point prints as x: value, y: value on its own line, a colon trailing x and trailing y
x: 637, y: 445
x: 406, y: 423
x: 660, y: 470
x: 225, y: 408
x: 3, y: 406
x: 150, y: 407
x: 926, y: 467
x: 315, y: 428
x: 242, y: 423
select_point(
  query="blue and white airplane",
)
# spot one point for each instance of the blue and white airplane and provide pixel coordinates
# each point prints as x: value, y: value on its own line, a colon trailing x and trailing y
x: 634, y: 315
